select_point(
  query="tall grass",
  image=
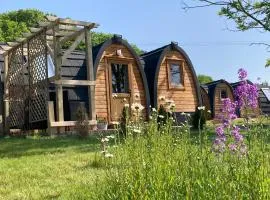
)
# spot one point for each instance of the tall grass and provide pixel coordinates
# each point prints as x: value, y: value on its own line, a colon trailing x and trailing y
x: 166, y: 163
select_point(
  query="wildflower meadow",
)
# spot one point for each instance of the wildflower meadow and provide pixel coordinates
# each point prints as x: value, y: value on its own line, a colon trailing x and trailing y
x: 157, y: 160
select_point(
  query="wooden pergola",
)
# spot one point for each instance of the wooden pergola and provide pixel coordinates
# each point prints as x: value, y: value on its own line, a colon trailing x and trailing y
x: 26, y: 83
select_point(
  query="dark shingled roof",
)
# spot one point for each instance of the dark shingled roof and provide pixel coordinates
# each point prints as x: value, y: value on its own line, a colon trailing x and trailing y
x: 204, y: 87
x: 152, y: 61
x: 211, y: 91
x: 234, y: 85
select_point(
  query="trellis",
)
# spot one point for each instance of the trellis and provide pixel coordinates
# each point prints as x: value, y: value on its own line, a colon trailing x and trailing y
x: 26, y: 72
x: 16, y: 87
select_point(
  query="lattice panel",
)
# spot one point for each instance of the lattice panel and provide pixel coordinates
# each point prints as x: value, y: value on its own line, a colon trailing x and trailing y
x: 16, y: 86
x: 38, y: 78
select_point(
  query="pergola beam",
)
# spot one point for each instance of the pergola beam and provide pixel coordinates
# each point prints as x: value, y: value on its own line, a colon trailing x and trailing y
x: 71, y: 36
x: 74, y: 82
x: 72, y: 47
x: 68, y: 21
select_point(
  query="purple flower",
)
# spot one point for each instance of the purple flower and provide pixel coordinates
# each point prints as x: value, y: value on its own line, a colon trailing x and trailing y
x: 236, y: 135
x: 220, y: 131
x: 246, y: 94
x: 233, y: 147
x: 242, y: 74
x: 218, y: 146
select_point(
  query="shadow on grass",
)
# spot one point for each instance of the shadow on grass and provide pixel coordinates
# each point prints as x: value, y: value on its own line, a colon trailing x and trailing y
x: 17, y: 147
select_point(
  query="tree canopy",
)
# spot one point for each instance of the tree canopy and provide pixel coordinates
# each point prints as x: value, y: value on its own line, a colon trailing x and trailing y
x: 14, y: 23
x: 247, y: 14
x: 204, y: 79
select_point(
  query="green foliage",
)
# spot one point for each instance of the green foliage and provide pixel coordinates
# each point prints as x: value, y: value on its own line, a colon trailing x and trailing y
x: 14, y: 23
x: 204, y: 79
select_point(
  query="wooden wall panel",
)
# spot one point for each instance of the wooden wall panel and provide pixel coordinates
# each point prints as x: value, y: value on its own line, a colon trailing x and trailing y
x: 185, y: 100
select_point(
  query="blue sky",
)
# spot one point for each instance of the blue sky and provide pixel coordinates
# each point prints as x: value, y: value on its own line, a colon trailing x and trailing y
x: 213, y: 49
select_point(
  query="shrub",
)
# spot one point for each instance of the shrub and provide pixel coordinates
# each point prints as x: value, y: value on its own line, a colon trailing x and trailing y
x: 198, y: 115
x: 82, y: 124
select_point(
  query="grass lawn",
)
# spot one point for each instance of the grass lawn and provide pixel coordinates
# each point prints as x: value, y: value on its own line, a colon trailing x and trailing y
x: 47, y: 168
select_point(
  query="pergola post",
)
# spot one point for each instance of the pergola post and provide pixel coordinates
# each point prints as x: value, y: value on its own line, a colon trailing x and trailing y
x: 59, y: 87
x: 90, y: 73
x: 6, y: 98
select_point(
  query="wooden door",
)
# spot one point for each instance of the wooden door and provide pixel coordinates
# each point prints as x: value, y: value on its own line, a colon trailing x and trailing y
x: 120, y: 88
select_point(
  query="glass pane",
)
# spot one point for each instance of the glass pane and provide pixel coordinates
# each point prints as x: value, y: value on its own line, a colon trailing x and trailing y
x: 223, y: 94
x: 119, y: 78
x: 175, y: 75
x: 266, y: 92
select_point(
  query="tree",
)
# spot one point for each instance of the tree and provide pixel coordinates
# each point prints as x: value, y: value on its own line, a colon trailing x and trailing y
x: 14, y: 23
x: 204, y: 79
x: 247, y: 14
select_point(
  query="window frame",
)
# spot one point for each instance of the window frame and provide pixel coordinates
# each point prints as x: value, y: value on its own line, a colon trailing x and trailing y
x: 128, y: 62
x: 126, y: 85
x: 182, y: 76
x: 220, y: 94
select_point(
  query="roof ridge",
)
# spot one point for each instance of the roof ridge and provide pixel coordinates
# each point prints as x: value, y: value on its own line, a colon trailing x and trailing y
x: 153, y: 51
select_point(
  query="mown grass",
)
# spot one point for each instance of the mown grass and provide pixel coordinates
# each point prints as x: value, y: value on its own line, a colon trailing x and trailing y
x: 47, y: 168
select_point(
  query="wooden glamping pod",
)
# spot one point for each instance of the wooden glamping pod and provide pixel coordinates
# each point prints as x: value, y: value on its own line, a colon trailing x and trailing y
x: 119, y: 77
x: 251, y: 112
x: 170, y: 74
x: 218, y: 90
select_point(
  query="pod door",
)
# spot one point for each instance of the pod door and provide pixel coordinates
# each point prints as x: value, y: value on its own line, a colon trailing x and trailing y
x: 120, y: 88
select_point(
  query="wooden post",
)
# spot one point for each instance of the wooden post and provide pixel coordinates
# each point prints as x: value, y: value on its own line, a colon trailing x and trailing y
x: 6, y: 99
x: 59, y: 88
x: 90, y: 73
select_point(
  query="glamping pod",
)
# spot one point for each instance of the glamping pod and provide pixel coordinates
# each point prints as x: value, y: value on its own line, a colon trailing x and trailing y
x: 119, y: 77
x: 264, y: 99
x: 218, y: 90
x: 205, y: 99
x: 251, y: 112
x: 170, y: 74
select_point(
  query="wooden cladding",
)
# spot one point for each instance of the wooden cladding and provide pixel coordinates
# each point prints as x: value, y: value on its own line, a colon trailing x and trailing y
x: 221, y: 88
x: 185, y: 97
x: 109, y: 105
